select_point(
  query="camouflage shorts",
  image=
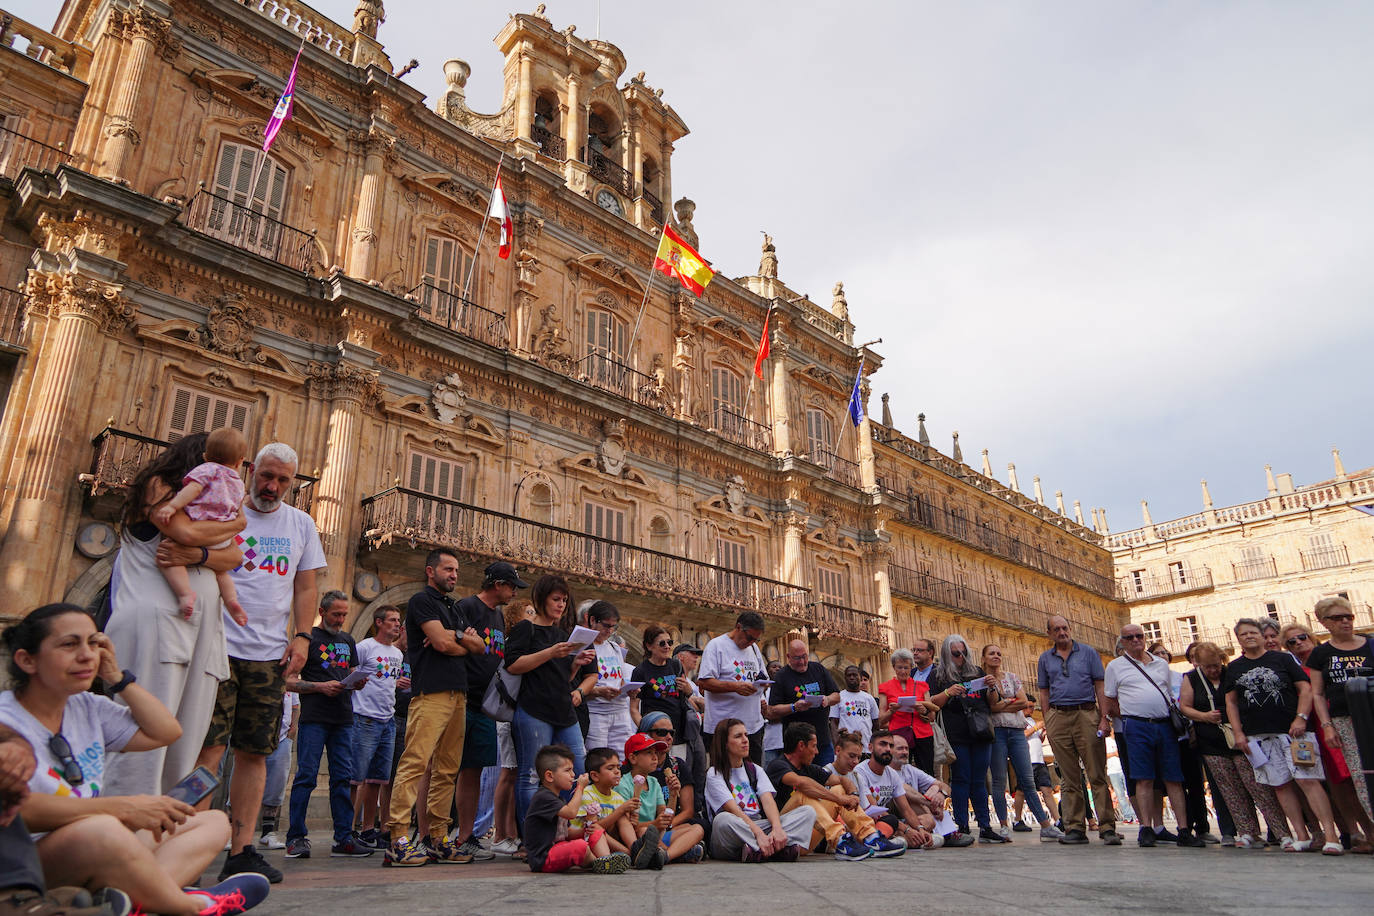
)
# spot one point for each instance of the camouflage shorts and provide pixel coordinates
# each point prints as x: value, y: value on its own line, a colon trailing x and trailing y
x: 248, y: 707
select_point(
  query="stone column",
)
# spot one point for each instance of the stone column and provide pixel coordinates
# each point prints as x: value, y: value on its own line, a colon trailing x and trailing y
x: 778, y: 398
x: 53, y: 438
x: 362, y: 255
x: 524, y: 107
x: 335, y: 506
x: 146, y: 31
x: 863, y: 446
x: 796, y: 523
x: 637, y: 168
x: 574, y: 128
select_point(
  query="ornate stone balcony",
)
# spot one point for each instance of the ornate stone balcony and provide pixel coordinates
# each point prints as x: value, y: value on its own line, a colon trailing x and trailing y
x: 119, y: 454
x: 12, y: 309
x: 1145, y: 587
x: 44, y: 47
x: 308, y: 23
x: 461, y: 315
x: 245, y: 228
x: 405, y: 515
x: 968, y: 602
x: 741, y: 430
x: 19, y: 152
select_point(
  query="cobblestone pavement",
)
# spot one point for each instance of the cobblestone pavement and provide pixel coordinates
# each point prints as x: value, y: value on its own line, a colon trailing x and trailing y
x: 1026, y: 877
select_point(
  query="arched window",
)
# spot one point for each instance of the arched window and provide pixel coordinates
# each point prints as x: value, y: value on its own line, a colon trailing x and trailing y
x: 546, y: 130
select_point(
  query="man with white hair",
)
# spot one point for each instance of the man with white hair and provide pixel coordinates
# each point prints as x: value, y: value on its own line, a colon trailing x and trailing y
x: 276, y: 586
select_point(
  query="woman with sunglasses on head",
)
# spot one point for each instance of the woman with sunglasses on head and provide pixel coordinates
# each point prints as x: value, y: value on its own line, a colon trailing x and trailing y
x: 968, y: 725
x: 665, y: 688
x: 149, y: 846
x: 1346, y: 654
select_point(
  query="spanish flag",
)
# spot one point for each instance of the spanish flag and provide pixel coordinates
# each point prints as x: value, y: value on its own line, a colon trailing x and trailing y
x: 678, y: 259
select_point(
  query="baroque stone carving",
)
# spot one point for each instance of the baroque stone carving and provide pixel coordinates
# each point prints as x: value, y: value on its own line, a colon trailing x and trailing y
x: 610, y: 451
x: 449, y: 399
x: 228, y: 328
x: 551, y: 344
x: 344, y: 380
x: 734, y: 494
x: 768, y: 263
x: 685, y: 209
x: 367, y: 17
x: 839, y: 304
x: 99, y: 302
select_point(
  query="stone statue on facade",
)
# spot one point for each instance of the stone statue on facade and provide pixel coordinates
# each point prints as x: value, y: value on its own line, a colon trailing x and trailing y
x: 368, y: 16
x: 768, y: 264
x: 656, y: 389
x: 685, y: 209
x: 551, y: 344
x: 839, y: 305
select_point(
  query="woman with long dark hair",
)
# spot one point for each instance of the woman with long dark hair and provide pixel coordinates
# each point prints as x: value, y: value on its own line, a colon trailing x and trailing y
x: 179, y: 660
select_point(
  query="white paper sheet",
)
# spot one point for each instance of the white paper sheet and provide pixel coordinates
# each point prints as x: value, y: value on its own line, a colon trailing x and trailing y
x: 583, y: 636
x: 357, y: 674
x: 875, y: 811
x: 1256, y: 754
x: 630, y: 685
x: 976, y: 684
x: 945, y: 825
x: 907, y: 703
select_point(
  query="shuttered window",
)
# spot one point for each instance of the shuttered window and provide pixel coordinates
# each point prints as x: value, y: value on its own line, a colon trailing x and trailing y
x: 832, y: 585
x: 194, y: 411
x: 434, y: 476
x: 604, y: 522
x: 820, y: 437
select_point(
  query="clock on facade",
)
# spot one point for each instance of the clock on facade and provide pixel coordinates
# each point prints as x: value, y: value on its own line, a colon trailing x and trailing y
x: 608, y: 201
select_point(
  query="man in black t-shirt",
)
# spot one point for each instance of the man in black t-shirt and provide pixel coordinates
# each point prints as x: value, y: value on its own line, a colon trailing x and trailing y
x: 841, y: 824
x: 483, y: 613
x: 440, y: 640
x: 803, y: 692
x: 326, y: 723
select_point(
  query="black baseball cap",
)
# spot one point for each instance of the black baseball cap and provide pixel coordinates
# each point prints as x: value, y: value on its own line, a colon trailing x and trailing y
x: 683, y: 647
x: 501, y: 571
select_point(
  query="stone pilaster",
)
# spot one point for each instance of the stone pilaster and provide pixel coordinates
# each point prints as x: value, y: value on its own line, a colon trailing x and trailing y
x: 362, y: 253
x: 780, y: 396
x: 796, y: 524
x: 148, y: 32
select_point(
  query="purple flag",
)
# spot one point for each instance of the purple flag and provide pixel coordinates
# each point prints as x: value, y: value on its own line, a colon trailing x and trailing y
x: 282, y: 113
x: 856, y: 404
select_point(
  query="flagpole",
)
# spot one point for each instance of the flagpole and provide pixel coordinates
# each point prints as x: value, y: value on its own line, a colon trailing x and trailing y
x: 467, y: 285
x: 629, y: 351
x: 262, y: 156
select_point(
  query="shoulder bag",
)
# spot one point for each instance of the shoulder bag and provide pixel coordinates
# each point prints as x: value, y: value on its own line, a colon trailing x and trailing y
x: 1182, y: 725
x: 1226, y: 731
x: 499, y: 701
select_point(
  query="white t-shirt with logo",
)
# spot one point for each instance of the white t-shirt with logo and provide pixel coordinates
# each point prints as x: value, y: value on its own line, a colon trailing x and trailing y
x: 915, y: 777
x: 94, y: 726
x: 377, y: 697
x: 275, y: 546
x: 725, y: 661
x: 739, y: 791
x: 610, y: 672
x: 856, y: 712
x: 882, y: 785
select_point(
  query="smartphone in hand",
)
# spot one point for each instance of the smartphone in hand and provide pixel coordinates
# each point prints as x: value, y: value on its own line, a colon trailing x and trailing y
x: 194, y: 787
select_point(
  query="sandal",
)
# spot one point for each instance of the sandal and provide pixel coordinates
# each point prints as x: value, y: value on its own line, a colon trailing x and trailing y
x: 1333, y: 849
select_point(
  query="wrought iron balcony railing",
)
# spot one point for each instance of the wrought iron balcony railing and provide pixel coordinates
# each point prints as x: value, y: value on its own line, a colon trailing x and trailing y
x: 608, y: 171
x: 655, y: 207
x: 246, y: 228
x: 19, y: 152
x: 441, y: 307
x: 120, y: 455
x: 1191, y: 579
x: 550, y: 144
x: 742, y: 430
x: 851, y: 623
x: 1325, y: 557
x: 609, y: 374
x: 837, y: 468
x: 1249, y: 570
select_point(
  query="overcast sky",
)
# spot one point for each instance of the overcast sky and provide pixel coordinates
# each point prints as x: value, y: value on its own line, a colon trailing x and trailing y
x: 1124, y: 245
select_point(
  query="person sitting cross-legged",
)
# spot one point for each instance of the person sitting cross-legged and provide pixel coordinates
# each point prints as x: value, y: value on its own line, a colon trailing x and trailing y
x: 746, y: 824
x: 881, y: 786
x: 841, y: 826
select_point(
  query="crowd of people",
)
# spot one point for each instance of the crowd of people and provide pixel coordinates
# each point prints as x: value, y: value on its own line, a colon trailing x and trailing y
x: 462, y: 729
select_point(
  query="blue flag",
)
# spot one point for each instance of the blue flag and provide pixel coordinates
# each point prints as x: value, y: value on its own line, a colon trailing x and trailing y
x: 856, y: 404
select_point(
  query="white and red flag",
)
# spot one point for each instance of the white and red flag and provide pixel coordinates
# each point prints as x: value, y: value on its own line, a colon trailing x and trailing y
x: 499, y: 210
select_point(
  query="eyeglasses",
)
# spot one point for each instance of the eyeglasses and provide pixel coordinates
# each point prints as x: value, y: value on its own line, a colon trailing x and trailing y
x: 751, y: 637
x: 1292, y: 641
x: 661, y: 732
x: 1134, y: 636
x: 608, y: 624
x: 1340, y: 616
x: 71, y: 769
x: 956, y: 653
x: 663, y: 643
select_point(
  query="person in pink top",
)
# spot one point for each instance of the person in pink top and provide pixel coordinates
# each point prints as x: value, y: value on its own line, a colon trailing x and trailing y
x: 212, y: 491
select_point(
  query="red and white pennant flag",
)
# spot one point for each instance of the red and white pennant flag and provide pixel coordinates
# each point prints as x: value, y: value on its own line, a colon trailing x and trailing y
x: 499, y: 210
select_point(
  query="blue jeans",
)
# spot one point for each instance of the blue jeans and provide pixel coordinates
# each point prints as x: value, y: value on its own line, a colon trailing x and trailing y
x: 312, y: 740
x: 530, y: 734
x: 373, y: 743
x: 1010, y: 742
x: 278, y: 765
x: 825, y: 755
x: 486, y: 801
x: 968, y: 781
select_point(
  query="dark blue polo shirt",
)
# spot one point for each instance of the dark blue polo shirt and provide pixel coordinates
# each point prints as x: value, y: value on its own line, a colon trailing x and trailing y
x: 1069, y: 681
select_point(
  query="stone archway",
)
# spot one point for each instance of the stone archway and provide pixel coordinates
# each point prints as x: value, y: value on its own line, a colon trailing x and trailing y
x: 87, y: 588
x: 398, y: 595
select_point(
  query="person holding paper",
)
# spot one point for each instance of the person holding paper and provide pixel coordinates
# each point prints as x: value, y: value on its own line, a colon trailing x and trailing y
x: 841, y: 823
x: 956, y: 688
x: 730, y: 666
x: 902, y: 715
x: 1268, y: 700
x: 546, y: 709
x: 804, y: 692
x: 326, y: 724
x: 609, y: 724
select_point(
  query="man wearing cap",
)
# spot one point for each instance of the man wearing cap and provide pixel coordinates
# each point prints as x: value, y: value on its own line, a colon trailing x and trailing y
x: 483, y: 612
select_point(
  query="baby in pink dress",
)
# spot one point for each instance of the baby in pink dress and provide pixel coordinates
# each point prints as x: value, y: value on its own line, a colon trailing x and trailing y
x: 212, y: 491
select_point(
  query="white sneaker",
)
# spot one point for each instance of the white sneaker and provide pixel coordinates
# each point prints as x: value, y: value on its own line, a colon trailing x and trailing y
x: 507, y: 847
x: 270, y: 841
x: 1050, y: 834
x: 1004, y: 831
x: 1245, y: 841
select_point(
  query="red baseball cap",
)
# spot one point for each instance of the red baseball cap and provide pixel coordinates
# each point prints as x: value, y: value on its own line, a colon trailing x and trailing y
x: 642, y: 742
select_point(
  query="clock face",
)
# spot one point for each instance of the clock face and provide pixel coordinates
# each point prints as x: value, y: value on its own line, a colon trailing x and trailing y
x: 608, y: 201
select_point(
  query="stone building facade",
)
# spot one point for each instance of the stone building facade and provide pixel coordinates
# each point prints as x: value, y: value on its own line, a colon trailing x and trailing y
x: 1192, y: 578
x: 341, y: 294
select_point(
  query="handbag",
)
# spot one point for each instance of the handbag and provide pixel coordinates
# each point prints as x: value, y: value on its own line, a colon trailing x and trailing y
x: 1227, y: 731
x: 499, y: 701
x: 942, y: 750
x: 1180, y: 723
x: 979, y: 721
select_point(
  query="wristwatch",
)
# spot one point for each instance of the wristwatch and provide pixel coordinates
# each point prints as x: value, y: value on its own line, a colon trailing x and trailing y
x: 123, y: 682
x: 302, y: 635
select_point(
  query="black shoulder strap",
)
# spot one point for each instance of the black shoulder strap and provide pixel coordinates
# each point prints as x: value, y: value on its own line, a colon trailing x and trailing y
x: 1168, y: 700
x: 753, y: 773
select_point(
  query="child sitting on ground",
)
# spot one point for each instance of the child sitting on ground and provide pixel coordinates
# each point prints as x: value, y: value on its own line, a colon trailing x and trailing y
x: 546, y: 823
x: 657, y: 844
x: 212, y: 491
x: 603, y: 806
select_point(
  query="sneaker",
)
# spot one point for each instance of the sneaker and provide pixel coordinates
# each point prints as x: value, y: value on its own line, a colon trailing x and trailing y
x: 110, y: 900
x: 367, y: 838
x: 271, y: 841
x: 617, y: 863
x: 1049, y: 834
x: 1245, y: 841
x: 250, y: 860
x: 1228, y: 840
x: 988, y: 835
x: 445, y: 852
x: 1005, y: 832
x: 884, y: 848
x: 660, y: 858
x: 236, y: 894
x: 1146, y: 837
x: 644, y: 850
x: 350, y: 849
x: 1164, y: 836
x: 958, y: 839
x: 506, y: 847
x: 790, y: 853
x: 751, y: 855
x: 693, y: 855
x: 849, y: 849
x: 1210, y: 839
x: 470, y: 847
x: 1074, y: 838
x: 298, y: 847
x: 1186, y: 840
x: 1110, y: 837
x: 406, y: 853
x: 1021, y: 827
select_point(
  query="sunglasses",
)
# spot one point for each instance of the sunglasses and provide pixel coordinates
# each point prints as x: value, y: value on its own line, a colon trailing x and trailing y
x: 661, y: 732
x: 663, y: 643
x: 956, y: 653
x: 1340, y: 617
x: 751, y: 637
x: 1134, y: 636
x: 1294, y: 640
x: 71, y: 769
